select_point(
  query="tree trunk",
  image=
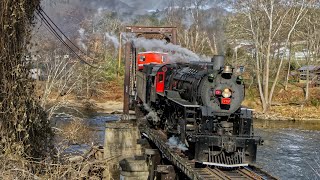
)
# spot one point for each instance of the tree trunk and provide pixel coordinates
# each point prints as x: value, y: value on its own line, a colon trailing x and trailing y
x: 289, y: 64
x: 307, y: 84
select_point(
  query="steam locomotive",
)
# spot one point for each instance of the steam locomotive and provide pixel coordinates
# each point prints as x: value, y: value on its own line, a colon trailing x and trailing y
x: 200, y: 103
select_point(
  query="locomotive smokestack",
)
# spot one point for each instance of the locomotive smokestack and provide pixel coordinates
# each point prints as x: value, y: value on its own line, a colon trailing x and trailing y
x: 218, y: 62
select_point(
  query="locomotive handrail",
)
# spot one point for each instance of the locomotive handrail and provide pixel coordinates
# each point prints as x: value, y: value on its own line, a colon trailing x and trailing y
x: 225, y: 165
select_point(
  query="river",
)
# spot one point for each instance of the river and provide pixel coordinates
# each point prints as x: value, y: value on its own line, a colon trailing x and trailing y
x: 291, y: 150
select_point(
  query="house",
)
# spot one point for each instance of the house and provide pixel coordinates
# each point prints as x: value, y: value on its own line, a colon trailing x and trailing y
x: 36, y: 74
x: 303, y: 55
x: 314, y: 74
x: 299, y: 55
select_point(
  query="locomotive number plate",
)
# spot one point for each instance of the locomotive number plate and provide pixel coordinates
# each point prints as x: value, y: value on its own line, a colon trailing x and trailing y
x: 225, y: 101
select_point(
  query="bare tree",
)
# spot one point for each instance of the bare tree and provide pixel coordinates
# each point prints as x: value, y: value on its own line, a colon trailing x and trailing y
x: 310, y: 32
x: 289, y: 66
x: 60, y: 80
x: 200, y: 29
x: 264, y: 21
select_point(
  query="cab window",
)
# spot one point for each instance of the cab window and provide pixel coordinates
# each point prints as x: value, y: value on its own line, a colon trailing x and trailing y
x: 163, y: 58
x: 142, y: 58
x: 160, y: 77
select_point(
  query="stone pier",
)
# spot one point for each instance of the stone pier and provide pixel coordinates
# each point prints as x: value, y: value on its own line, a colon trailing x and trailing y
x: 120, y: 142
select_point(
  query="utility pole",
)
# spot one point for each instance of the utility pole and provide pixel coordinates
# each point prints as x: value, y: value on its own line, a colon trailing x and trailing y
x: 120, y: 54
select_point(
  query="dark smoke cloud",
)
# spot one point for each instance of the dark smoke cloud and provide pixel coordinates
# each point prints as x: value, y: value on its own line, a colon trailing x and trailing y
x: 216, y: 24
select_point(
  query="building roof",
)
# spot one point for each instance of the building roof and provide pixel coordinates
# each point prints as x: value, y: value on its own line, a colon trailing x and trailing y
x: 152, y: 52
x: 310, y: 68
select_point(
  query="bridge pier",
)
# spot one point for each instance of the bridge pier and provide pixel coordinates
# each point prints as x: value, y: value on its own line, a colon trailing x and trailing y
x: 120, y: 142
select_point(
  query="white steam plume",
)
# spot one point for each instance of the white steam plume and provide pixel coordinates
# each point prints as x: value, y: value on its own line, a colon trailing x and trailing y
x: 180, y: 54
x: 82, y: 38
x: 151, y: 114
x: 155, y: 44
x: 174, y: 142
x: 147, y: 107
x: 113, y: 39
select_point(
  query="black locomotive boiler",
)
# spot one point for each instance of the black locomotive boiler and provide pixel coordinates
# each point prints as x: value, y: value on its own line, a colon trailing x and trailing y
x: 200, y: 102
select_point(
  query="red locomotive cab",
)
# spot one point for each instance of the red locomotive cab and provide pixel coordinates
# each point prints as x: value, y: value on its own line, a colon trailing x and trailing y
x: 160, y: 82
x: 151, y: 57
x: 160, y: 78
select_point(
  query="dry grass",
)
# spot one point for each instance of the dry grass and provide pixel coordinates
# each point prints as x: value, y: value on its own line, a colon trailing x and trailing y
x: 109, y: 98
x: 297, y: 112
x: 61, y: 164
x: 77, y: 132
x: 290, y: 103
x: 296, y: 106
x: 113, y: 91
x: 27, y: 169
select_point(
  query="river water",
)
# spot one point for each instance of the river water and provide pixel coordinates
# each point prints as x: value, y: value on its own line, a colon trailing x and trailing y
x: 291, y: 150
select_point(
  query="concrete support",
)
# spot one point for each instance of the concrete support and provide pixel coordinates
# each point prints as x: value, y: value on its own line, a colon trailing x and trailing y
x: 134, y: 168
x: 121, y: 140
x: 153, y: 160
x: 166, y: 172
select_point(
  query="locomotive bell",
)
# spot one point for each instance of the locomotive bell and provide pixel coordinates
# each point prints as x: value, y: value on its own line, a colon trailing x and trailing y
x: 227, y: 70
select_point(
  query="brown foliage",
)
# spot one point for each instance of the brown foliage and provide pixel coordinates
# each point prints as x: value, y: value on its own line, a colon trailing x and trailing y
x: 77, y: 132
x: 30, y: 169
x: 24, y: 128
x: 113, y: 91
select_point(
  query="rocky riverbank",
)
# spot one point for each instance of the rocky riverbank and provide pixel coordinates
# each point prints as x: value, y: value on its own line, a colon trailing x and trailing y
x: 287, y: 113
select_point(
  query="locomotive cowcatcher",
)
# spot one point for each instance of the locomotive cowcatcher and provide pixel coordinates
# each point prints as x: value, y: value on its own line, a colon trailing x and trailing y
x: 200, y: 103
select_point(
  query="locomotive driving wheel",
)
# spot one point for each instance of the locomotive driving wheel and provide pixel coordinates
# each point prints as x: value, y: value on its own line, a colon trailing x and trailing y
x: 170, y: 123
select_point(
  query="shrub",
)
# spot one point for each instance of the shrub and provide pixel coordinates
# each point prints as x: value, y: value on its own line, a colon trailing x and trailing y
x: 315, y: 102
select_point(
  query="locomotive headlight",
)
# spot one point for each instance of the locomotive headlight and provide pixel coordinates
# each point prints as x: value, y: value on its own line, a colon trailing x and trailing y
x: 226, y: 93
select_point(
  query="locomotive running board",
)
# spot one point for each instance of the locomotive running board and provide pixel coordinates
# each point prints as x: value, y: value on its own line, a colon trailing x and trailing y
x: 183, y: 103
x: 224, y: 165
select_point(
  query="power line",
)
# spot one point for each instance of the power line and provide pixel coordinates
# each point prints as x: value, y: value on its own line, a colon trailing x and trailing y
x: 42, y: 11
x: 52, y: 30
x: 56, y: 34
